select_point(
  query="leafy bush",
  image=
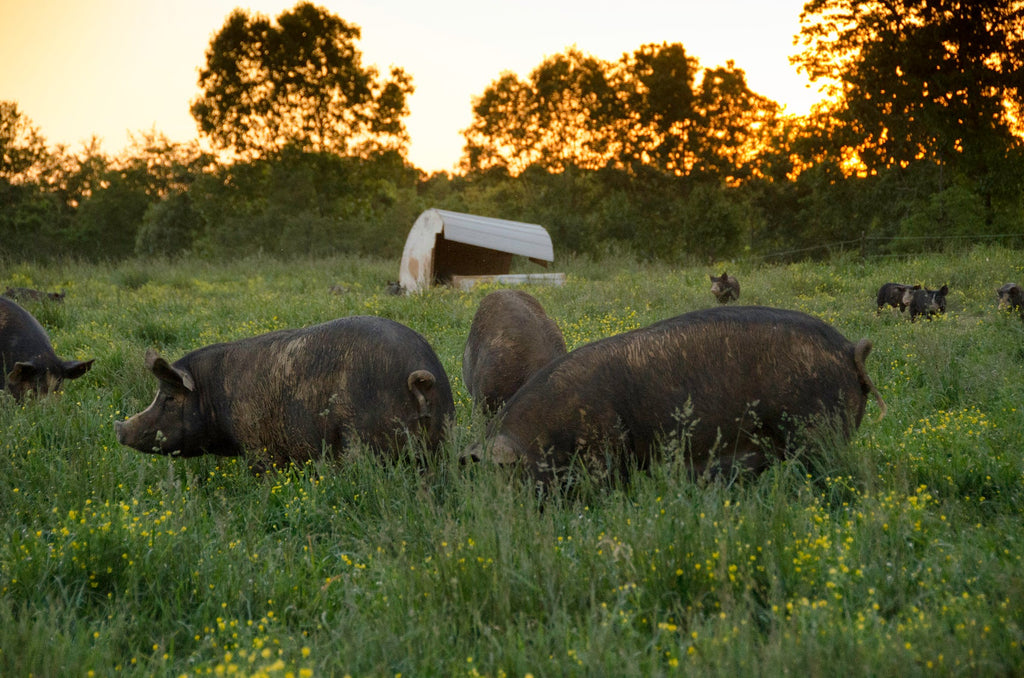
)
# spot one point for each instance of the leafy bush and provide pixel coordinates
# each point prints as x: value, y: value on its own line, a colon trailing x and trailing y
x: 169, y: 227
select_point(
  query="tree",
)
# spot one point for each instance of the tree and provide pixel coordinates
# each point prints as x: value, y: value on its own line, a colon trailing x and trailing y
x: 79, y: 175
x: 23, y: 153
x: 644, y: 110
x: 108, y: 215
x: 160, y: 167
x: 169, y: 227
x: 941, y: 80
x: 556, y: 119
x: 298, y: 82
x: 734, y: 125
x: 301, y: 203
x: 658, y: 86
x: 29, y: 217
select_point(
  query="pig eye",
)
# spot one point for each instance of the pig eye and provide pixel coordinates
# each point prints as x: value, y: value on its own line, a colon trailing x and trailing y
x: 171, y: 400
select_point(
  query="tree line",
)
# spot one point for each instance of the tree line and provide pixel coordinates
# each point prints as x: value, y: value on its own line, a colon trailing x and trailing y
x: 304, y: 148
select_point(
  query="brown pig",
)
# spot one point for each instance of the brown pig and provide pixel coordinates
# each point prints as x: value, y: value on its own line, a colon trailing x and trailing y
x: 897, y: 295
x: 926, y: 303
x: 737, y: 386
x: 288, y: 395
x: 1011, y: 298
x: 511, y: 338
x: 725, y: 288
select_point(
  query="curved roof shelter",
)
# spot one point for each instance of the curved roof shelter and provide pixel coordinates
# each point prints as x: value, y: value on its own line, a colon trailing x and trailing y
x: 462, y: 249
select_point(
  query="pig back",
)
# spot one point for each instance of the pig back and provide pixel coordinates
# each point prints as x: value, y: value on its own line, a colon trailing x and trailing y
x: 23, y: 339
x: 728, y: 376
x: 21, y: 335
x: 511, y: 337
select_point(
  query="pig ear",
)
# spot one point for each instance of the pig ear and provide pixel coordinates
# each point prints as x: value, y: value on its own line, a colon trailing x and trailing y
x: 23, y: 371
x: 167, y: 373
x: 944, y: 289
x: 73, y: 369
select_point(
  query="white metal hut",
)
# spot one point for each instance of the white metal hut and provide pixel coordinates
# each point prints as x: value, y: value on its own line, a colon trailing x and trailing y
x: 464, y: 249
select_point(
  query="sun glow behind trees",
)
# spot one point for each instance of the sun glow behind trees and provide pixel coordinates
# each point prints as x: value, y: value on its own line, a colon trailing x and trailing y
x: 915, y: 80
x: 645, y: 109
x: 297, y: 81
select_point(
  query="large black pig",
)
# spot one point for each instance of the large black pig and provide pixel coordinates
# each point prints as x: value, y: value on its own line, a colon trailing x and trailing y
x: 281, y: 397
x: 27, y: 360
x: 737, y: 386
x: 511, y: 338
x: 896, y: 295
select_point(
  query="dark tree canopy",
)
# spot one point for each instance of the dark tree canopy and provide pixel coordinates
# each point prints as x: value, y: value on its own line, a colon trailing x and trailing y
x: 734, y: 124
x: 300, y: 82
x: 23, y: 152
x: 556, y: 119
x: 921, y: 79
x: 644, y: 110
x: 659, y: 93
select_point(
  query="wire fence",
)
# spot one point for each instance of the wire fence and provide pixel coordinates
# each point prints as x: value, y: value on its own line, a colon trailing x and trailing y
x: 866, y: 243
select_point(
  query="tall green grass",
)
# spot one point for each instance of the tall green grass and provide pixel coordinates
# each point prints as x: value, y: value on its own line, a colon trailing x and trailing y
x: 898, y: 553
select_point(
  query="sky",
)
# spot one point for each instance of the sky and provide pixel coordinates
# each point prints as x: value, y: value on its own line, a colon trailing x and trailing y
x: 113, y: 68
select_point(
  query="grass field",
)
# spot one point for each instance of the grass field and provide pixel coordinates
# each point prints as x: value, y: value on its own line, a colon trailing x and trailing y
x: 898, y: 554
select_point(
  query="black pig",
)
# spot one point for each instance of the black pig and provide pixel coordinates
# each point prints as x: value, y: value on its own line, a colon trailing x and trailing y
x: 1011, y: 298
x: 739, y: 385
x: 896, y: 295
x: 725, y: 288
x: 280, y: 397
x: 926, y: 302
x: 27, y: 360
x: 511, y: 338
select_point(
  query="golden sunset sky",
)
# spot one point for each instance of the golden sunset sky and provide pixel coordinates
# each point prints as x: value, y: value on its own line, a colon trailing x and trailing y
x: 78, y: 68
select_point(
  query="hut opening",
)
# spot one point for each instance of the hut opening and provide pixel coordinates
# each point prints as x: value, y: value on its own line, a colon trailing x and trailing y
x: 463, y: 249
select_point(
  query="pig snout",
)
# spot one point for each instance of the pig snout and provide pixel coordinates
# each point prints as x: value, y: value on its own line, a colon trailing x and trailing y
x: 127, y: 433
